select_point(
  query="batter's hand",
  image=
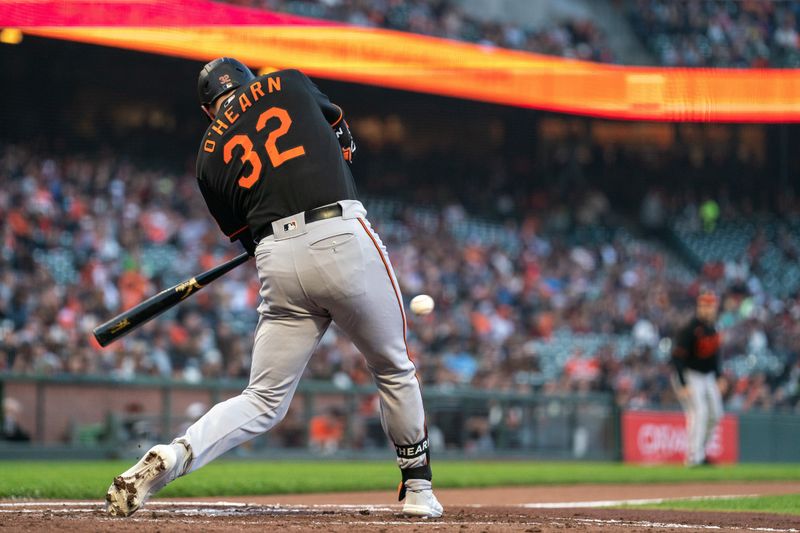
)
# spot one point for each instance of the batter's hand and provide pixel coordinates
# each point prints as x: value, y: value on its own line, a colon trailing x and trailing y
x: 346, y: 141
x: 722, y: 385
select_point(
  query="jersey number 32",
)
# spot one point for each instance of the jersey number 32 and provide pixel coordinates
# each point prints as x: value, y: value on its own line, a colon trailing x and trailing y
x: 276, y: 157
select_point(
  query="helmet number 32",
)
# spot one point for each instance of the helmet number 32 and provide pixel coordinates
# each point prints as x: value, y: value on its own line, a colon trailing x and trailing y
x: 276, y: 157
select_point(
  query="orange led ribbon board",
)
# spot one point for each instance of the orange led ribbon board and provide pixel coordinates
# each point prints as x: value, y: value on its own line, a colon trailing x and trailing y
x: 202, y: 30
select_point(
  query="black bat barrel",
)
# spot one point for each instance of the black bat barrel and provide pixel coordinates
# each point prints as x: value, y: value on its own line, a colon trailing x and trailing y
x: 124, y: 323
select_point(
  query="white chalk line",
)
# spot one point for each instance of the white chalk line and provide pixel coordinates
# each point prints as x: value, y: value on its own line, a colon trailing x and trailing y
x: 194, y: 508
x: 190, y: 508
x: 647, y: 523
x: 195, y: 503
x: 640, y: 501
x: 96, y: 504
x: 560, y: 522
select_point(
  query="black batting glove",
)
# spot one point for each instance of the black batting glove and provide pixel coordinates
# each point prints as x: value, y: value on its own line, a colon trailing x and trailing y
x: 345, y: 138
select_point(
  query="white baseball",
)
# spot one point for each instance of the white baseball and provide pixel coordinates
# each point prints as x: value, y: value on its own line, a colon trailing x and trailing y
x: 422, y: 304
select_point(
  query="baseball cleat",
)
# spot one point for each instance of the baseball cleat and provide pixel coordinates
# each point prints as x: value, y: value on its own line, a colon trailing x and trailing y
x: 420, y: 501
x: 131, y: 489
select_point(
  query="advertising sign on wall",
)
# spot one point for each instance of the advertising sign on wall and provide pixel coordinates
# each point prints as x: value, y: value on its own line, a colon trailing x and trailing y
x: 660, y: 437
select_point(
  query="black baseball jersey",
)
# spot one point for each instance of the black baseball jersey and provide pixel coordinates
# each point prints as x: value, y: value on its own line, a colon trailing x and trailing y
x: 271, y: 152
x: 697, y: 348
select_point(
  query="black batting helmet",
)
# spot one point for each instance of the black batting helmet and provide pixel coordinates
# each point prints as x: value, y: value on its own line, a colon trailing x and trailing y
x: 220, y: 76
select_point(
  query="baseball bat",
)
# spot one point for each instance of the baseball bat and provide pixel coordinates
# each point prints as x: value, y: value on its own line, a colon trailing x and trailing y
x: 131, y: 319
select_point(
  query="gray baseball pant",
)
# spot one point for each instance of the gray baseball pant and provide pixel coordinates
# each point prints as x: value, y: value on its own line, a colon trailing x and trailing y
x: 335, y: 269
x: 703, y: 411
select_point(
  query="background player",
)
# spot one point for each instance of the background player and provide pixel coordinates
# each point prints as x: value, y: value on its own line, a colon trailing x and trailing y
x: 272, y: 169
x: 698, y: 377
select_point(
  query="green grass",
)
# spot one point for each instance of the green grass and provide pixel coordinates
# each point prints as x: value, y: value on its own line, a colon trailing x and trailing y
x: 784, y: 503
x: 84, y: 479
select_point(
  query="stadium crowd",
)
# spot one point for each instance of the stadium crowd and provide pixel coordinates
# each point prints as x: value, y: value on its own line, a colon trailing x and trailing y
x: 84, y: 238
x: 576, y: 38
x: 719, y: 33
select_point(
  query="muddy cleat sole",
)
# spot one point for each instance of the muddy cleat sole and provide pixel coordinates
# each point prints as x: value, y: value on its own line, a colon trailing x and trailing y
x: 131, y: 489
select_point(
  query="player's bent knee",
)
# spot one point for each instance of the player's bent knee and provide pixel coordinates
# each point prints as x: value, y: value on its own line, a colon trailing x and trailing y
x: 271, y: 404
x: 396, y: 376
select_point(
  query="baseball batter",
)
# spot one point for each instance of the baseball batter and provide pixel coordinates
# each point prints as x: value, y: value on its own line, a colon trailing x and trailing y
x: 273, y: 170
x: 698, y: 377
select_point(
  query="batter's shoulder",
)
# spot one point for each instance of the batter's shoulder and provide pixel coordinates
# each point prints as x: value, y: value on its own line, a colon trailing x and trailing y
x: 294, y: 72
x: 284, y: 73
x: 295, y: 75
x: 290, y: 77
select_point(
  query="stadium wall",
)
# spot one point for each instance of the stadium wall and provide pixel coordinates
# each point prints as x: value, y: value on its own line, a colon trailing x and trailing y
x: 81, y: 412
x: 76, y: 414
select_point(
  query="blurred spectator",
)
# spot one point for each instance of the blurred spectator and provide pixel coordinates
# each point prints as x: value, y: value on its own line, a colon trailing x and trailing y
x: 137, y: 426
x: 718, y: 33
x: 653, y: 212
x: 645, y: 334
x: 479, y: 438
x: 709, y: 214
x: 12, y: 409
x: 326, y: 431
x: 582, y: 370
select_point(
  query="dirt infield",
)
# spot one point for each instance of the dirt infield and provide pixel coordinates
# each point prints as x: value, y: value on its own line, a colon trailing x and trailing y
x: 528, y: 509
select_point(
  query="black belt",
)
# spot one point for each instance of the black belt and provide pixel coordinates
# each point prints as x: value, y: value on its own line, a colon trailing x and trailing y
x: 312, y: 215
